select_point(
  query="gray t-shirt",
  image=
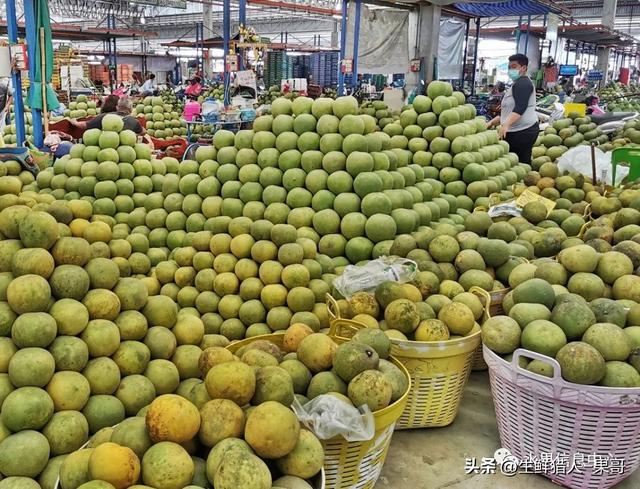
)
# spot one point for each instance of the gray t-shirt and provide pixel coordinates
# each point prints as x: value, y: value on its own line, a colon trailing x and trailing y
x: 5, y: 92
x: 521, y: 99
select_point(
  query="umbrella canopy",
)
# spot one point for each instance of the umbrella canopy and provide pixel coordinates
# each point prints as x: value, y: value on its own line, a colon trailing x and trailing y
x: 40, y: 45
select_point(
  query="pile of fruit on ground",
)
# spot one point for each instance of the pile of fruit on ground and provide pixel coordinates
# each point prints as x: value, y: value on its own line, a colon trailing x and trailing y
x: 620, y: 98
x: 9, y: 131
x: 163, y: 118
x: 124, y: 278
x: 215, y: 92
x: 81, y: 107
x: 564, y: 134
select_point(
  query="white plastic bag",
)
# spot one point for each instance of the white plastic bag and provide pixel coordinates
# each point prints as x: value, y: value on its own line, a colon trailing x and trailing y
x: 367, y: 277
x: 327, y: 416
x: 578, y: 159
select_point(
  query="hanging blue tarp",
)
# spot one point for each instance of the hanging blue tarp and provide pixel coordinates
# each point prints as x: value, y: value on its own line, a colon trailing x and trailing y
x: 499, y: 9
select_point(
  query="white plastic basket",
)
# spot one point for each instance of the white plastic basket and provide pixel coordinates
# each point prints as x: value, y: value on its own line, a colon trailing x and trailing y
x: 540, y: 417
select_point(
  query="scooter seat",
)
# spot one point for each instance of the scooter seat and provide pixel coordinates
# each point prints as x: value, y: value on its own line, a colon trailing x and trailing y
x: 611, y: 117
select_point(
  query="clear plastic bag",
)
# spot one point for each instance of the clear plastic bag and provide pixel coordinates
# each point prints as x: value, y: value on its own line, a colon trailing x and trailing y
x: 327, y: 416
x: 368, y: 277
x: 578, y: 159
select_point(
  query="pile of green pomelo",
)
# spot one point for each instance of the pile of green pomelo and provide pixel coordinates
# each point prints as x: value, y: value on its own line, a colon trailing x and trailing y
x: 124, y: 278
x: 163, y: 118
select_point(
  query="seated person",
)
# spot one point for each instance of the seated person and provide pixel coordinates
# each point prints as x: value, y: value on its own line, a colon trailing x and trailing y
x: 120, y: 91
x: 194, y: 88
x: 109, y: 104
x: 192, y: 109
x: 592, y: 106
x: 58, y: 143
x: 149, y: 87
x: 123, y: 109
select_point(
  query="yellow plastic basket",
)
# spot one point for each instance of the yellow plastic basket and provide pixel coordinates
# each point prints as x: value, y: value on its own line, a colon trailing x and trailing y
x: 439, y: 371
x: 352, y: 465
x: 492, y: 302
x: 581, y: 109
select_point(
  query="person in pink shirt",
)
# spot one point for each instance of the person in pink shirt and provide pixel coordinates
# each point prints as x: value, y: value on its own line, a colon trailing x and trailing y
x: 194, y: 87
x: 592, y: 106
x: 192, y: 109
x: 120, y: 91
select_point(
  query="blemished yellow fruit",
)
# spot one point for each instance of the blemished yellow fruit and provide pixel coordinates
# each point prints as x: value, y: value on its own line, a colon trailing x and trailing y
x: 458, y: 318
x: 114, y: 464
x: 368, y: 321
x: 432, y: 330
x: 172, y: 418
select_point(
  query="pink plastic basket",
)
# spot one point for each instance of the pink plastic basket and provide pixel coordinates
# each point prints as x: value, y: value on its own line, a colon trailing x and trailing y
x: 540, y: 417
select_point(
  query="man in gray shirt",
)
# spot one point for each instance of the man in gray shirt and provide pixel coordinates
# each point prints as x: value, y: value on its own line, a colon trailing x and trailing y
x: 518, y: 119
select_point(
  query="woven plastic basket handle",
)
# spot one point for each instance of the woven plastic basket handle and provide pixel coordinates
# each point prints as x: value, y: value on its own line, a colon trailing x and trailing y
x: 485, y: 299
x: 521, y: 352
x: 332, y: 307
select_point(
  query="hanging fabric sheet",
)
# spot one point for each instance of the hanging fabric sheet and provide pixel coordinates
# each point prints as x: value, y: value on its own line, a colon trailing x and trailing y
x: 383, y: 40
x: 450, y: 49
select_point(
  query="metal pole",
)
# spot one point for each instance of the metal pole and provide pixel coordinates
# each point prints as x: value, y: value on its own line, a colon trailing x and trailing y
x: 343, y: 45
x: 356, y: 42
x: 226, y: 35
x: 242, y: 20
x: 115, y: 51
x: 34, y: 43
x: 475, y: 57
x: 197, y: 46
x: 526, y: 39
x: 464, y: 55
x: 568, y: 50
x: 242, y: 12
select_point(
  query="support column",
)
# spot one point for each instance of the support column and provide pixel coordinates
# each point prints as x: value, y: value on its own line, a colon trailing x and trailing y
x: 608, y: 18
x: 428, y: 38
x: 356, y: 42
x: 343, y: 47
x: 226, y: 36
x: 207, y: 27
x: 33, y: 42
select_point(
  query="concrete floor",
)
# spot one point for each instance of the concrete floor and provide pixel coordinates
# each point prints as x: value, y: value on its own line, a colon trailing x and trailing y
x: 435, y: 458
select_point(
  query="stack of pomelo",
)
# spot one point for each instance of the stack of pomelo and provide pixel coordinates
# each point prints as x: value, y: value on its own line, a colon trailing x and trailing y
x: 313, y: 164
x: 9, y: 131
x: 583, y: 310
x: 163, y: 118
x: 425, y: 309
x: 223, y: 430
x: 80, y: 347
x: 81, y: 107
x: 563, y: 134
x: 13, y: 178
x: 256, y: 279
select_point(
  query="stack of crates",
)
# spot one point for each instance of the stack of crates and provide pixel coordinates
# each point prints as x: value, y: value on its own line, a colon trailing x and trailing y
x: 278, y: 66
x: 274, y: 68
x: 99, y: 73
x: 125, y: 73
x: 299, y: 66
x: 379, y: 81
x: 324, y: 68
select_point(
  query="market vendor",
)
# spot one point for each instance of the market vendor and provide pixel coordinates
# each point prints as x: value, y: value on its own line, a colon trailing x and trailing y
x: 121, y: 106
x: 194, y: 88
x: 593, y: 107
x: 518, y: 118
x: 149, y: 87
